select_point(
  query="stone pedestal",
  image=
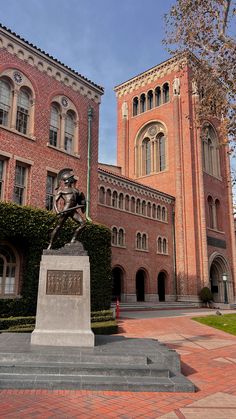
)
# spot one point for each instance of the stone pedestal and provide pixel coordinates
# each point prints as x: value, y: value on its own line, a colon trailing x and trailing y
x: 63, y: 310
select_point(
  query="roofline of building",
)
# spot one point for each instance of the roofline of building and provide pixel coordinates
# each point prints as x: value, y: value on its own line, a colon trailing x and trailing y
x: 181, y: 55
x: 7, y: 32
x: 136, y: 183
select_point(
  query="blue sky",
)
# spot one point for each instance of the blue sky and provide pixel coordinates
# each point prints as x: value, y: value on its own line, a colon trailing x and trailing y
x: 107, y: 41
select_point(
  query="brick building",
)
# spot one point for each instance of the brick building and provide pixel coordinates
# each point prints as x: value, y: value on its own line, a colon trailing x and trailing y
x: 168, y: 202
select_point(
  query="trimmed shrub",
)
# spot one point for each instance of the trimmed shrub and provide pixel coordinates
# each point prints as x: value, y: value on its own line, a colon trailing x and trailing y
x: 206, y: 295
x: 28, y: 229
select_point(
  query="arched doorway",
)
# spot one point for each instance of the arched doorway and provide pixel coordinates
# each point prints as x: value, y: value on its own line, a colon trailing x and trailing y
x: 219, y: 266
x: 161, y: 279
x: 117, y: 283
x: 140, y: 285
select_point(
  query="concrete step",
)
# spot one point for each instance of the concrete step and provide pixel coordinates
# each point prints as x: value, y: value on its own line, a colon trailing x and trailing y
x: 155, y: 306
x: 151, y: 370
x: 114, y: 383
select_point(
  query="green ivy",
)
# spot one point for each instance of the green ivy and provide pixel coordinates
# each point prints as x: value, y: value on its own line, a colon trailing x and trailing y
x: 28, y: 229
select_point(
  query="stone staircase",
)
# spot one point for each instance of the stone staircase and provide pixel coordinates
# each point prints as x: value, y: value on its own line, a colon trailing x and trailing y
x: 156, y: 306
x: 115, y: 363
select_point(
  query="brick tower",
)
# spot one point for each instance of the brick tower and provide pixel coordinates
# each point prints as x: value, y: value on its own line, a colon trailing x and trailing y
x: 160, y: 145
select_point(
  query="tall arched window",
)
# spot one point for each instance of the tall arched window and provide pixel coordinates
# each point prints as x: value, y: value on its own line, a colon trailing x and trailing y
x: 210, y: 212
x: 23, y: 111
x: 138, y: 241
x: 158, y: 212
x: 163, y: 214
x: 5, y: 102
x: 153, y: 210
x: 69, y: 131
x: 8, y: 272
x: 143, y: 208
x: 127, y: 203
x: 218, y: 215
x: 151, y: 149
x: 161, y: 150
x: 164, y: 246
x: 121, y: 201
x: 121, y: 237
x: 102, y: 195
x: 144, y: 241
x: 135, y: 106
x: 114, y: 199
x: 210, y: 151
x: 150, y: 99
x: 114, y: 236
x: 138, y: 206
x: 149, y: 209
x: 132, y: 204
x: 166, y: 93
x: 146, y: 156
x: 158, y: 96
x: 142, y: 103
x: 108, y: 197
x: 159, y: 245
x: 54, y: 125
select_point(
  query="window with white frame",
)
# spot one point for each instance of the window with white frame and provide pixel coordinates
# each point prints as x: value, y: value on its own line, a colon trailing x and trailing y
x: 19, y: 196
x: 162, y: 245
x: 17, y: 101
x: 210, y: 151
x: 141, y: 241
x: 63, y: 126
x: 8, y: 271
x: 118, y: 236
x: 50, y: 190
x: 151, y: 150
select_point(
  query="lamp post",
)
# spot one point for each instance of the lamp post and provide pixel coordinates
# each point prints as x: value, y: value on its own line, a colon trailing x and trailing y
x: 225, y: 278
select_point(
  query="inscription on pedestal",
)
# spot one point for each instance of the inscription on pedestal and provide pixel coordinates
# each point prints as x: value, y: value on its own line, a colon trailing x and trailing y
x: 64, y: 282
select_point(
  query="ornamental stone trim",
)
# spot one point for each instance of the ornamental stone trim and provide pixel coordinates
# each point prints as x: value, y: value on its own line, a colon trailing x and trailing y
x: 128, y: 186
x: 48, y: 65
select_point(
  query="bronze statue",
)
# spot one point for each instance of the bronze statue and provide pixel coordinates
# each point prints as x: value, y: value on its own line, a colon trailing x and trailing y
x: 73, y: 199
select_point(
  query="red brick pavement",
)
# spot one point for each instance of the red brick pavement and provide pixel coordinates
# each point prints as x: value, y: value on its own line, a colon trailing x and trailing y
x: 208, y: 359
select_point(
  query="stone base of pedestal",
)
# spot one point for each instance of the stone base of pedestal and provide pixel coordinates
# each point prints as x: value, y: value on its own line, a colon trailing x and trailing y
x: 63, y: 310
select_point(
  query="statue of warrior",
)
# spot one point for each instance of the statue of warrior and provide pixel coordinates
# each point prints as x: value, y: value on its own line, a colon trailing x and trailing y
x: 74, y: 204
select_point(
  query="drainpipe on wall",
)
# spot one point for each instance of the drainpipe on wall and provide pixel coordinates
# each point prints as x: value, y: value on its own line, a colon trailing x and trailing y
x: 174, y: 252
x: 90, y: 117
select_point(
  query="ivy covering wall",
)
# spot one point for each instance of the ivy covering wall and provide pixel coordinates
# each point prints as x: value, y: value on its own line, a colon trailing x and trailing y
x: 28, y: 229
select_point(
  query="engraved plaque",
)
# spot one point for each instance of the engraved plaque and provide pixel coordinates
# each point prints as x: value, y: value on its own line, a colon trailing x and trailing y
x: 64, y: 282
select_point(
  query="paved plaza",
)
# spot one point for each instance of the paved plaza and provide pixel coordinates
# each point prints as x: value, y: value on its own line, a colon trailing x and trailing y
x: 208, y: 359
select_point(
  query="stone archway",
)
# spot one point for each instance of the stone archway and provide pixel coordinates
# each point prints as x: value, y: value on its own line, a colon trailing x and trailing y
x: 117, y: 283
x: 218, y: 266
x: 161, y: 286
x: 140, y: 285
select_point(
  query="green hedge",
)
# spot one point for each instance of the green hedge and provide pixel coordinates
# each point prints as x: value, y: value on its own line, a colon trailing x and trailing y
x: 28, y: 230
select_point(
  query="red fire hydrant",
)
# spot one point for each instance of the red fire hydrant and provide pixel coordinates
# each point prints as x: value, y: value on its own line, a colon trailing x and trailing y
x: 117, y: 308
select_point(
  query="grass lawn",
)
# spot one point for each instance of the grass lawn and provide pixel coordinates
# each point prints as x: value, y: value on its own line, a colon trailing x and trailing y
x: 225, y: 322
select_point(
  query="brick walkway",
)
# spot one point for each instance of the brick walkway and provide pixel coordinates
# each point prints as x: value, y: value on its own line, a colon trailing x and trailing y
x: 208, y: 359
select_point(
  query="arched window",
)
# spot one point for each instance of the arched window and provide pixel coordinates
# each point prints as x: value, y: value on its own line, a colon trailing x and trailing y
x: 166, y: 93
x: 108, y: 197
x: 210, y: 151
x: 157, y: 96
x: 150, y: 99
x: 218, y: 215
x: 114, y: 236
x: 158, y: 212
x: 54, y: 125
x: 138, y: 241
x: 23, y: 111
x: 138, y: 206
x: 8, y: 272
x: 132, y: 204
x: 102, y: 195
x: 69, y: 131
x: 142, y: 103
x: 149, y: 209
x: 121, y: 237
x: 135, y: 106
x: 5, y: 102
x: 210, y: 212
x: 143, y: 208
x: 163, y: 214
x: 161, y: 153
x: 121, y: 201
x: 153, y: 210
x: 146, y: 156
x: 164, y: 246
x: 144, y: 241
x: 159, y: 245
x: 127, y: 201
x: 150, y: 149
x: 114, y: 199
